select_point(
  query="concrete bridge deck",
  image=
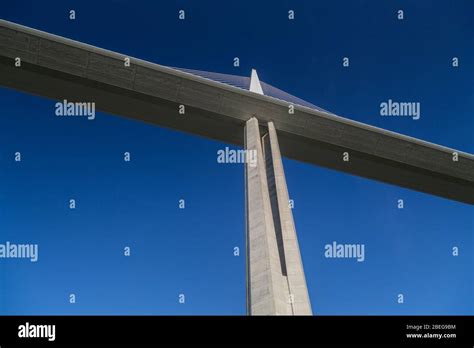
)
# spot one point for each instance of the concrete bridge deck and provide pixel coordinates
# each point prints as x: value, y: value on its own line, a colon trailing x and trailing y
x: 59, y: 68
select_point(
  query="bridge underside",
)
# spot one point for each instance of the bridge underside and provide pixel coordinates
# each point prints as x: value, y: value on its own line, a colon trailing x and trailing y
x: 59, y: 68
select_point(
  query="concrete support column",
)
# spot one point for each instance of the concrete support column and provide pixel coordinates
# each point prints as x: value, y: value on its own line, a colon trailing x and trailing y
x: 266, y: 293
x: 285, y: 226
x: 275, y: 279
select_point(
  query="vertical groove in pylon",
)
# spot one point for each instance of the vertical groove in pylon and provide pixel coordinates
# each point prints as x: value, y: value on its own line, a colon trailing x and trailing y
x: 298, y: 290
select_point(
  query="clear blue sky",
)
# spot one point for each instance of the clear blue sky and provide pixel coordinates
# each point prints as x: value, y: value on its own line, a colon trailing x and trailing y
x: 190, y: 251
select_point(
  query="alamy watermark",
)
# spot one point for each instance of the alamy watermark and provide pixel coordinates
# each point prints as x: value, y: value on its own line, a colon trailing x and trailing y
x: 66, y: 108
x: 345, y: 251
x: 228, y: 155
x: 19, y: 251
x: 405, y: 109
x: 28, y: 330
